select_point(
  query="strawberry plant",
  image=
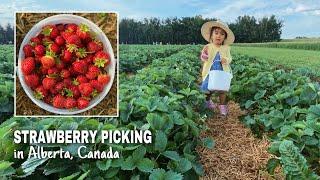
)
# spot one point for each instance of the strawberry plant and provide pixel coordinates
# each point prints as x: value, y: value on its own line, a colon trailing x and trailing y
x: 6, y: 81
x: 162, y: 97
x: 284, y: 103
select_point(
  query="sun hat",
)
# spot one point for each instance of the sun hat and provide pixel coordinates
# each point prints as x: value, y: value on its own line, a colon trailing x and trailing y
x: 206, y: 28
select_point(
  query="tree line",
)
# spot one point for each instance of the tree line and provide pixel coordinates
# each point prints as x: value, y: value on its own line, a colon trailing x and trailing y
x: 6, y: 34
x: 186, y: 30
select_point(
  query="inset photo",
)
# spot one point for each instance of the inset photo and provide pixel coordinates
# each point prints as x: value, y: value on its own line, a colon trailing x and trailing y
x: 66, y: 64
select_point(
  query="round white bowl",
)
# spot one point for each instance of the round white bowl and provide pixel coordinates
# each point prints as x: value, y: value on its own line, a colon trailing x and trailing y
x: 66, y: 19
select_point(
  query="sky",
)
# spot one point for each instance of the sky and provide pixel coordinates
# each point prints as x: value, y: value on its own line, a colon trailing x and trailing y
x: 300, y: 17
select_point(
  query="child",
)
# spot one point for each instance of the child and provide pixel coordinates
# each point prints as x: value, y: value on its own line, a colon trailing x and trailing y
x: 216, y: 56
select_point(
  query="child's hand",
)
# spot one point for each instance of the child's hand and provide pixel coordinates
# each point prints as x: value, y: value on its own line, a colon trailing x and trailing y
x: 204, y: 54
x: 223, y: 61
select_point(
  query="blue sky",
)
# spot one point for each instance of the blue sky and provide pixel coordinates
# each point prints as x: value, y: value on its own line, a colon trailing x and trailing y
x: 300, y: 17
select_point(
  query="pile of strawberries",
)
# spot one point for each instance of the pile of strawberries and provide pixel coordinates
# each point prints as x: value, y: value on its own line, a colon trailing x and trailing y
x: 64, y: 65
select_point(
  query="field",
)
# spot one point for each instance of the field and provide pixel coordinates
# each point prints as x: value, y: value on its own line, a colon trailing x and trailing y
x: 289, y: 58
x: 159, y: 91
x: 6, y: 81
x: 306, y: 44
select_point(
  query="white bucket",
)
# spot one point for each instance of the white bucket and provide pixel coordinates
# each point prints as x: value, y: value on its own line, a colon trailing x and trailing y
x: 68, y: 18
x: 219, y: 80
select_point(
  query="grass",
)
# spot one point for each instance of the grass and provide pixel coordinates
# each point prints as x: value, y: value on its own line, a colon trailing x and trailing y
x: 303, y: 44
x: 290, y: 58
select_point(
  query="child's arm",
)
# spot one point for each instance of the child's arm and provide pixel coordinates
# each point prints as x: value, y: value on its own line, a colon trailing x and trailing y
x: 204, y: 54
x: 228, y: 58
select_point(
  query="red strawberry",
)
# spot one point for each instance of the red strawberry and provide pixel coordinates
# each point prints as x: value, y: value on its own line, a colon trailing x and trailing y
x: 53, y: 71
x: 47, y: 61
x: 66, y: 34
x: 32, y: 80
x: 59, y: 40
x: 47, y: 41
x: 60, y: 64
x: 82, y: 79
x: 72, y: 71
x: 43, y: 70
x: 28, y: 65
x: 65, y: 73
x: 54, y: 48
x: 66, y: 56
x: 48, y: 83
x: 28, y: 50
x: 53, y: 91
x: 101, y: 59
x: 70, y: 103
x: 58, y: 101
x: 47, y: 99
x: 39, y: 50
x: 36, y: 40
x: 40, y: 92
x: 60, y: 27
x: 59, y: 86
x: 80, y: 67
x: 85, y: 89
x: 73, y: 39
x: 103, y: 79
x: 50, y: 31
x: 72, y: 27
x: 67, y: 82
x: 88, y: 59
x: 83, y: 31
x: 75, y: 91
x: 82, y: 103
x: 96, y: 85
x: 37, y: 59
x: 94, y: 46
x: 93, y: 72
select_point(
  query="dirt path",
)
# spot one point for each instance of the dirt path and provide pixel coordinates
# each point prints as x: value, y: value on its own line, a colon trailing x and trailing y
x: 237, y: 154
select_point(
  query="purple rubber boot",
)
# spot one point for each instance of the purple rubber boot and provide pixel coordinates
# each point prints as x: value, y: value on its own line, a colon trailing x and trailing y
x: 223, y: 110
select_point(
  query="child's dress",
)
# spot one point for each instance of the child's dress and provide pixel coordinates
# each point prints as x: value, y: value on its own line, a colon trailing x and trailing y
x: 216, y: 65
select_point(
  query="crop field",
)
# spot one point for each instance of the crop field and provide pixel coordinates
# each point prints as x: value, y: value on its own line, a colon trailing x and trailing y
x: 302, y: 44
x: 159, y: 91
x: 288, y: 58
x: 6, y: 80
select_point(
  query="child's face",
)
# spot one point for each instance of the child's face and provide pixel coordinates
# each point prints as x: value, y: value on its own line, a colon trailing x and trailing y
x: 218, y: 36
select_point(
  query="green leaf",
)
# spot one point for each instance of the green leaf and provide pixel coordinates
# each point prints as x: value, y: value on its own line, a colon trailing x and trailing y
x: 170, y: 175
x: 259, y: 94
x: 292, y: 100
x: 177, y: 117
x: 171, y: 155
x: 70, y: 177
x: 198, y: 168
x: 145, y: 165
x: 248, y: 104
x: 31, y: 164
x: 157, y: 174
x: 138, y: 153
x: 155, y: 120
x: 84, y: 175
x: 55, y: 166
x: 182, y: 166
x: 208, y: 142
x: 111, y: 172
x: 6, y: 169
x: 161, y: 174
x: 104, y: 165
x: 128, y: 164
x: 272, y: 164
x: 160, y: 141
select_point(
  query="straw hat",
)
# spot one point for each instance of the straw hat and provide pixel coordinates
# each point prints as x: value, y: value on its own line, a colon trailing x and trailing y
x: 206, y: 27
